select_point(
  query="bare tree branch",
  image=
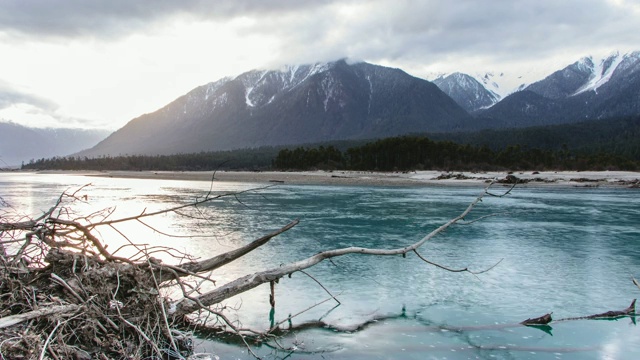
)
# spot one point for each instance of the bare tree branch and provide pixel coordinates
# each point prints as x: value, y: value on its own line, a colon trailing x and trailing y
x: 240, y: 285
x: 223, y: 259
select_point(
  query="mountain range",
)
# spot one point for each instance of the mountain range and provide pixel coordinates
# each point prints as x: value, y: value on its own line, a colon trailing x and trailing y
x: 344, y: 101
x: 586, y: 89
x: 21, y: 144
x: 295, y: 105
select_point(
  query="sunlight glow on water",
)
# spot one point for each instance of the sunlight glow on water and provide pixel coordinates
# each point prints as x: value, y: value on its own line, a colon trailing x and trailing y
x: 567, y: 251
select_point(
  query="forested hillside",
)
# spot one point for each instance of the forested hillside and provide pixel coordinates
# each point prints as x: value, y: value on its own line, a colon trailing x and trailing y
x: 420, y: 153
x: 593, y: 145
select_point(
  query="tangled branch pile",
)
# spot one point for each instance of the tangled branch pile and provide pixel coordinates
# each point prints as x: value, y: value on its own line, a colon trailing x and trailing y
x: 64, y: 295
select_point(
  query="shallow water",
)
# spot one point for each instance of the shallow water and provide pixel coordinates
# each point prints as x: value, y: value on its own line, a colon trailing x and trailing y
x: 562, y: 250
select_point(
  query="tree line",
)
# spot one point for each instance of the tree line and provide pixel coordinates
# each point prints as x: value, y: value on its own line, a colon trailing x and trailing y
x: 392, y: 154
x: 246, y: 159
x: 418, y: 153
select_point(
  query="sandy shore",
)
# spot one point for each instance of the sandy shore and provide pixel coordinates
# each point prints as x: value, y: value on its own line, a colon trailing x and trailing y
x: 417, y: 178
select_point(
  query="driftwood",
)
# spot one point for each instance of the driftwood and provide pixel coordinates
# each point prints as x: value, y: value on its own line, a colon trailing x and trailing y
x: 542, y: 320
x: 8, y: 321
x: 240, y: 285
x: 631, y: 310
x: 72, y: 294
x: 60, y: 281
x: 546, y: 319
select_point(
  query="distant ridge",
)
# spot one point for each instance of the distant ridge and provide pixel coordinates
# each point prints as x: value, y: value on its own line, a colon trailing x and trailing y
x: 295, y: 105
x: 344, y: 101
x: 20, y: 143
x: 586, y: 89
x: 467, y: 91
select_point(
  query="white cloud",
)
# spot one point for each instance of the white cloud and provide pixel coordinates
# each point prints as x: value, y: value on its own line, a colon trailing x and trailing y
x: 108, y: 62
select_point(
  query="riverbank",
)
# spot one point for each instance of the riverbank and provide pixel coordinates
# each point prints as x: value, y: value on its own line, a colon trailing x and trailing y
x: 366, y: 178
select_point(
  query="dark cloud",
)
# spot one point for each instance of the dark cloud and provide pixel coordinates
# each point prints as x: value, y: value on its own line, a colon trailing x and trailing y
x: 427, y: 31
x: 113, y: 18
x: 315, y: 30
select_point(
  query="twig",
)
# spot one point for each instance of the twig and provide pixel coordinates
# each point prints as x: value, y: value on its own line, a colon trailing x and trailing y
x: 481, y: 218
x: 64, y: 284
x: 240, y: 285
x: 46, y: 343
x: 234, y: 328
x: 164, y: 314
x: 141, y: 333
x: 322, y: 286
x: 504, y: 194
x: 89, y: 236
x: 173, y: 209
x: 466, y: 269
x: 274, y: 327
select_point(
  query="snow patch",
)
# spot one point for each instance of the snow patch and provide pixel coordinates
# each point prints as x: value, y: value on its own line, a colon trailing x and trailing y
x: 330, y: 89
x: 214, y: 86
x: 293, y: 70
x: 370, y: 94
x: 247, y: 100
x: 220, y: 100
x: 601, y: 73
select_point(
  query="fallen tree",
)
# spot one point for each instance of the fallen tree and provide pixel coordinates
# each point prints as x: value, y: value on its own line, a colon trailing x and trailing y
x: 65, y: 295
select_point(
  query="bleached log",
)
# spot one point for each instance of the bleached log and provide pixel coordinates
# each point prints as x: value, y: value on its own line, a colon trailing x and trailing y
x: 223, y: 259
x: 16, y: 319
x: 240, y: 285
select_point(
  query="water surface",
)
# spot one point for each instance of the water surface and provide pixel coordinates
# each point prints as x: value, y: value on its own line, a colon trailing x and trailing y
x: 562, y: 250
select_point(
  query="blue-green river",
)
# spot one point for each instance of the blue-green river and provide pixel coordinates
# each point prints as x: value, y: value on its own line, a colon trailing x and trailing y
x: 569, y: 251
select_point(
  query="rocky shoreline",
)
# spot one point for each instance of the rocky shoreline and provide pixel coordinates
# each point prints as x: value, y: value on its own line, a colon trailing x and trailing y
x: 587, y: 179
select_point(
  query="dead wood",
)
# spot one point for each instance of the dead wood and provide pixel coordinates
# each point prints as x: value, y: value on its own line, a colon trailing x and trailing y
x: 611, y: 315
x: 223, y: 259
x: 245, y: 283
x: 8, y: 321
x: 614, y: 314
x: 61, y: 284
x: 542, y: 320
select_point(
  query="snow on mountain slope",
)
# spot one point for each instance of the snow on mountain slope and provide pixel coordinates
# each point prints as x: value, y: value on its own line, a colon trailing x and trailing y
x: 467, y: 91
x: 499, y: 83
x: 602, y: 70
x: 294, y: 105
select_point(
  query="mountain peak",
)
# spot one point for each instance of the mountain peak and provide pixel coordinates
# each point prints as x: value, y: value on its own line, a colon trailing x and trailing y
x: 293, y: 105
x: 590, y: 88
x: 601, y: 72
x: 466, y: 91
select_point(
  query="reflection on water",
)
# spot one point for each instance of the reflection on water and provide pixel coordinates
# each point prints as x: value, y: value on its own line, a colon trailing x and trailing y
x: 567, y: 251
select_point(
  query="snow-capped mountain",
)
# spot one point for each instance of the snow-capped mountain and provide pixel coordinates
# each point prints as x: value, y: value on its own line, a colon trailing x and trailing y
x: 587, y: 89
x: 293, y: 105
x: 467, y: 91
x: 338, y: 101
x: 500, y: 83
x: 586, y: 74
x: 602, y: 71
x: 463, y: 87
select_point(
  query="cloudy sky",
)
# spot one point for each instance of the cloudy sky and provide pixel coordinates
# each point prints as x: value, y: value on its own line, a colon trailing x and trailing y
x: 98, y: 64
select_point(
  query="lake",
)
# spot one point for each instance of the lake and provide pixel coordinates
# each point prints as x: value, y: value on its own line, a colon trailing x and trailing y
x: 570, y: 251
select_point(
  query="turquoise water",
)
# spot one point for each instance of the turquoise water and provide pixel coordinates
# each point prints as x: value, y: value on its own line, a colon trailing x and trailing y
x: 562, y: 250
